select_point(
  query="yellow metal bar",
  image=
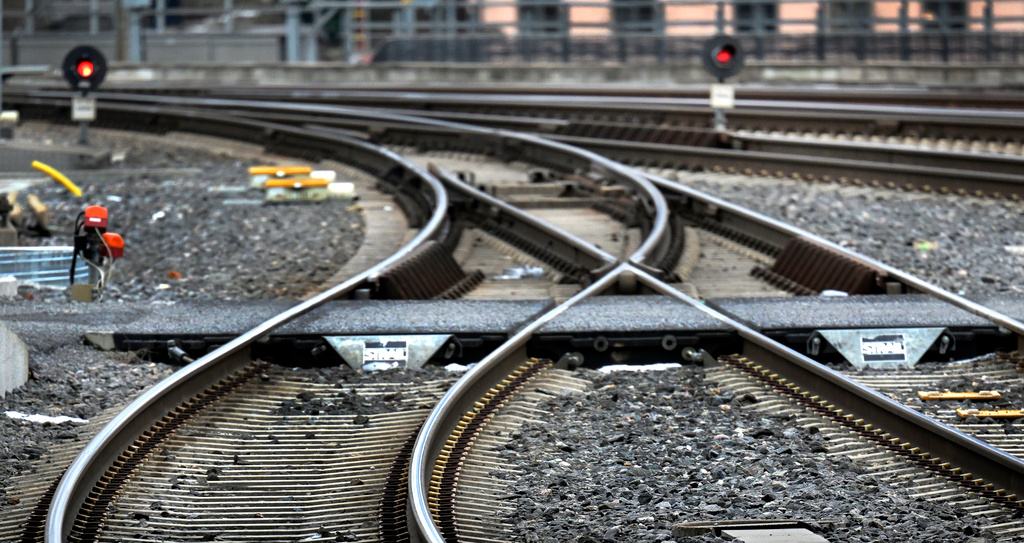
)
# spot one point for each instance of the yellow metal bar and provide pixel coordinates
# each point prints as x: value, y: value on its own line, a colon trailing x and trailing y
x: 979, y: 395
x: 280, y: 171
x: 297, y: 183
x: 995, y: 414
x: 58, y: 176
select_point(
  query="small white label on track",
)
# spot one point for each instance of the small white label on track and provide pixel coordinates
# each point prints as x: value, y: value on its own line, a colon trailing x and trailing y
x: 884, y: 348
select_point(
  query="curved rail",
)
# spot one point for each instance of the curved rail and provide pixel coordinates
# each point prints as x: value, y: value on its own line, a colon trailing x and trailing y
x: 129, y: 423
x: 491, y: 141
x: 594, y: 259
x: 911, y: 426
x: 722, y: 206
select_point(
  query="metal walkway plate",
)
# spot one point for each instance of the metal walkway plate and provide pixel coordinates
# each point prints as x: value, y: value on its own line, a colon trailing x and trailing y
x: 774, y: 535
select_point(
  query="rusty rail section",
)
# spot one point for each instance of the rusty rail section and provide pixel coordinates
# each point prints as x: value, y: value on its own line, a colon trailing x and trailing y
x: 807, y: 268
x: 428, y: 273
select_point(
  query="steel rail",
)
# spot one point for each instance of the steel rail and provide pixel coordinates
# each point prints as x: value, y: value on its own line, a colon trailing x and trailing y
x: 893, y: 95
x: 721, y: 207
x: 881, y: 118
x: 745, y: 108
x: 117, y: 435
x: 653, y: 248
x: 951, y: 445
x: 1004, y: 470
x: 1012, y: 324
x: 809, y: 166
x: 595, y: 259
x: 833, y: 93
x: 447, y: 96
x: 906, y: 155
x: 460, y: 398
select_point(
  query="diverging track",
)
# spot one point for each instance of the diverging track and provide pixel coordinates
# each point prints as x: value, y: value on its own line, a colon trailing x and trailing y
x: 223, y: 429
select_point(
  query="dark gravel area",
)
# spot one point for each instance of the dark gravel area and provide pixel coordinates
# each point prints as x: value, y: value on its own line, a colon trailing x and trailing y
x: 641, y: 453
x: 187, y: 239
x: 70, y: 380
x: 184, y: 240
x: 969, y: 246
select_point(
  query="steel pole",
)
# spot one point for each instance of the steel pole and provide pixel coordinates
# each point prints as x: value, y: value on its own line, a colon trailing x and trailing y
x: 94, y: 17
x: 30, y: 17
x: 292, y: 15
x: 161, y: 16
x: 1, y: 56
x: 134, y: 35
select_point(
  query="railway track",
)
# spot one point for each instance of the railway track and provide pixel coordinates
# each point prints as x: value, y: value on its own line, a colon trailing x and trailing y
x: 964, y: 151
x: 448, y: 471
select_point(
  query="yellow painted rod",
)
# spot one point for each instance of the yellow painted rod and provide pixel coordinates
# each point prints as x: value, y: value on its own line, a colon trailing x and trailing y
x: 58, y: 176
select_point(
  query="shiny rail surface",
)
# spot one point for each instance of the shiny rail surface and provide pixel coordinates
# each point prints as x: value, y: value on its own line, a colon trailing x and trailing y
x: 91, y: 463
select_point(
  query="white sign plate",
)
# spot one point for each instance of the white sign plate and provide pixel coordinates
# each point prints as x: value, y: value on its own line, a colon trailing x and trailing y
x: 723, y: 96
x: 83, y: 108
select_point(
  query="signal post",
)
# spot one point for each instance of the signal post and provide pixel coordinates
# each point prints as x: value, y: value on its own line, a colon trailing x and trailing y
x: 722, y: 58
x: 84, y: 69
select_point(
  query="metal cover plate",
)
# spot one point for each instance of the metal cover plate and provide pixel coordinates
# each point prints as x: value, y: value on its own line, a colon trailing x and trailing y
x: 881, y: 348
x: 387, y: 352
x: 774, y: 535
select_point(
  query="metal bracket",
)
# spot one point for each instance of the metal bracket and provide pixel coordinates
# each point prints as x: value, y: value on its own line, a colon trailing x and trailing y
x: 387, y: 352
x: 879, y: 348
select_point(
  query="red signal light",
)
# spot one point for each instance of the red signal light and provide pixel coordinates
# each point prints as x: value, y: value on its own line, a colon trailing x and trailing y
x: 724, y: 55
x: 86, y: 68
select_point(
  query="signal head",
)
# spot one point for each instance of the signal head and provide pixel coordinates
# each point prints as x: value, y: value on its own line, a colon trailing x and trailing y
x: 113, y: 245
x: 84, y: 68
x: 95, y: 217
x: 722, y: 57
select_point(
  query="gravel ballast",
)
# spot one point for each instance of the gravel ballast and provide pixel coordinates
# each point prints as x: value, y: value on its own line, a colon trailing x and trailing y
x: 668, y: 427
x: 185, y: 239
x: 640, y: 454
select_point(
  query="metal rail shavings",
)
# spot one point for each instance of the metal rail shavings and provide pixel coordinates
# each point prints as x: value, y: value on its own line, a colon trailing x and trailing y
x: 89, y: 522
x: 392, y: 516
